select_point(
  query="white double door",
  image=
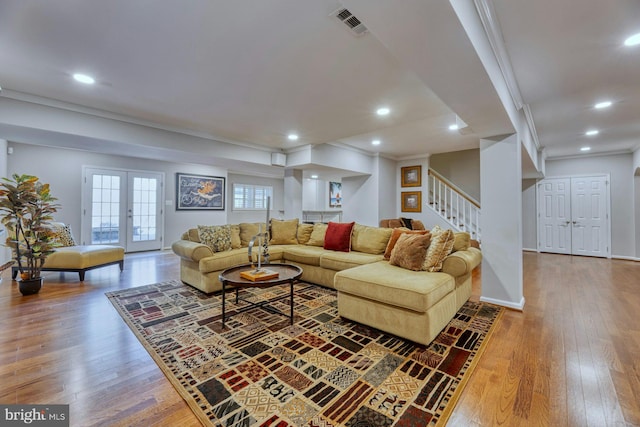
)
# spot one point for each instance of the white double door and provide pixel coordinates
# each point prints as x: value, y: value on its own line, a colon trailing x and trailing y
x: 573, y: 215
x: 122, y: 208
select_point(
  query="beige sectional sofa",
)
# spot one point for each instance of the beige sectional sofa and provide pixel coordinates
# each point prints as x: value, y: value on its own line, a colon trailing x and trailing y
x: 412, y: 304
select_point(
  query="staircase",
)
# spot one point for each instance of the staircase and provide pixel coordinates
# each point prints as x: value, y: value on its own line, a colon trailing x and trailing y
x: 453, y: 205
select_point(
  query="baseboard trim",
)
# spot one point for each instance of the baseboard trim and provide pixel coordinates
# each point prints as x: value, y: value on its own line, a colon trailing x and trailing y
x: 529, y: 250
x: 626, y: 258
x: 508, y: 304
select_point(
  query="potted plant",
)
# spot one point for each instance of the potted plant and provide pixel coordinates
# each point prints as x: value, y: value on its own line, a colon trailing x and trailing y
x: 27, y: 207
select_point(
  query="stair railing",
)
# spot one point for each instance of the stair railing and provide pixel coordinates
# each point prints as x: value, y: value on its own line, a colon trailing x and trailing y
x: 460, y: 210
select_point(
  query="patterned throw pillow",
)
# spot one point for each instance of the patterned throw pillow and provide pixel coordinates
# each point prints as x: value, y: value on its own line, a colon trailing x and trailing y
x: 440, y: 247
x: 217, y: 237
x: 410, y: 250
x: 62, y: 234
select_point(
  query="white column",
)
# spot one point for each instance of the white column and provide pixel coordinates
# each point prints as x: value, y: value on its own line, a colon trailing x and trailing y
x: 501, y: 190
x: 293, y: 193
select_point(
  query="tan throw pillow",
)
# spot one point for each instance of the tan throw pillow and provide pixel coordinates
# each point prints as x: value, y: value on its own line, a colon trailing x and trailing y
x: 370, y: 240
x: 317, y: 235
x: 217, y: 237
x: 410, y: 250
x: 440, y: 247
x: 461, y: 241
x: 248, y: 230
x: 235, y: 236
x: 192, y: 235
x: 304, y: 233
x: 395, y: 235
x: 284, y: 232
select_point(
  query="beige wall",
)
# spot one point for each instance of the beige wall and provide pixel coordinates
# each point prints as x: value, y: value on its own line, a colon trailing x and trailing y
x: 460, y: 167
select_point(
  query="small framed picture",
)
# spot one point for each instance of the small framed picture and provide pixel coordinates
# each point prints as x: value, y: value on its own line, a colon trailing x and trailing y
x: 412, y: 176
x: 411, y: 201
x: 335, y: 194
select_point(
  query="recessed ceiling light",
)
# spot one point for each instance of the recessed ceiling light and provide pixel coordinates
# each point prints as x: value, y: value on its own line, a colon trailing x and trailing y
x: 585, y: 148
x: 633, y: 40
x: 603, y: 104
x: 383, y: 111
x: 293, y: 136
x: 453, y: 126
x: 375, y: 142
x: 592, y: 132
x: 314, y: 176
x: 83, y: 78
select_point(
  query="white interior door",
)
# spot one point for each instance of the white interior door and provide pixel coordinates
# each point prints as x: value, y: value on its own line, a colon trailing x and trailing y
x: 589, y: 216
x: 122, y: 208
x: 554, y: 213
x: 573, y: 216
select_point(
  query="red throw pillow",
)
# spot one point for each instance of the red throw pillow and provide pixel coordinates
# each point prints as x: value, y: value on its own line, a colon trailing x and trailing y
x: 338, y: 236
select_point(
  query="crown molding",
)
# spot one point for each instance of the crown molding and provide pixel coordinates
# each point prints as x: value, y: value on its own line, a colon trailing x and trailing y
x: 76, y: 108
x: 350, y: 148
x: 582, y: 156
x: 492, y: 29
x: 528, y: 116
x: 415, y: 157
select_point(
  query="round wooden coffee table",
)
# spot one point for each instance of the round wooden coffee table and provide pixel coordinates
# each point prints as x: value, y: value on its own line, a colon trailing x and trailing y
x: 287, y: 273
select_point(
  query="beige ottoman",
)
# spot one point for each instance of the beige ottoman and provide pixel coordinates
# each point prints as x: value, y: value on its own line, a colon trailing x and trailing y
x: 81, y: 258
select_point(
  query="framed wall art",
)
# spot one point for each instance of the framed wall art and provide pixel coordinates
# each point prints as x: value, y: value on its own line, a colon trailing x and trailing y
x: 411, y: 201
x: 199, y: 192
x: 335, y: 194
x: 412, y: 176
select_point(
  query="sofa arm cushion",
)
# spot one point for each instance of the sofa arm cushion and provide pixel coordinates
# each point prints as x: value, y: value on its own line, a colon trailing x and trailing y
x: 191, y: 250
x: 462, y: 262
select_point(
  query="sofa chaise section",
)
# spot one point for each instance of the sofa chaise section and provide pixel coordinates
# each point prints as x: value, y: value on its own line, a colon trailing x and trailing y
x: 411, y: 304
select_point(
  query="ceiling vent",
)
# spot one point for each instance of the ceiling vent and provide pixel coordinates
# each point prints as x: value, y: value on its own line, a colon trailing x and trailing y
x: 354, y: 25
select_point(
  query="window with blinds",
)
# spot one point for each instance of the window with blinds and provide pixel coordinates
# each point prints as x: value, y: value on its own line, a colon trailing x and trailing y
x: 251, y: 197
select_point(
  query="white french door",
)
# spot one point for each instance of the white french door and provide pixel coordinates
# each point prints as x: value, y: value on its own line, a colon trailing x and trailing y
x: 573, y: 215
x: 122, y: 208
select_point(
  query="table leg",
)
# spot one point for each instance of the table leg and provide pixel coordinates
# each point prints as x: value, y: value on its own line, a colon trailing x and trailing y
x: 223, y: 298
x: 292, y: 302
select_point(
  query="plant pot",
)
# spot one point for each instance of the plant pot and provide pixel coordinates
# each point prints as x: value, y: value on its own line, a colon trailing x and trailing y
x: 30, y: 286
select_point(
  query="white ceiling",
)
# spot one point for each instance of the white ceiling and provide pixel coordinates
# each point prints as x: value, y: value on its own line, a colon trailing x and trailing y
x: 250, y: 72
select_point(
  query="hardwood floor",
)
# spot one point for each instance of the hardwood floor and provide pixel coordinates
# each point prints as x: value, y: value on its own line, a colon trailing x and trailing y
x: 572, y: 358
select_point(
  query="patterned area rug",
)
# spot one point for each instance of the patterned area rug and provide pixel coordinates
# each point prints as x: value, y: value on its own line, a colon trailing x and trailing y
x: 321, y: 371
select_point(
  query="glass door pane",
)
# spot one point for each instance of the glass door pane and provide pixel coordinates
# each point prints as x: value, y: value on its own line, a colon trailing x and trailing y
x: 122, y: 208
x: 144, y: 211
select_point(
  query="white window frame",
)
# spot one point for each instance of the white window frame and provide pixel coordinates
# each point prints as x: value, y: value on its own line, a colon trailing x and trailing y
x: 250, y: 199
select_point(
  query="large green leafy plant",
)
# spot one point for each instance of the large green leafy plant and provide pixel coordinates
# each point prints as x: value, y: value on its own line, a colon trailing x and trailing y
x: 27, y: 207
